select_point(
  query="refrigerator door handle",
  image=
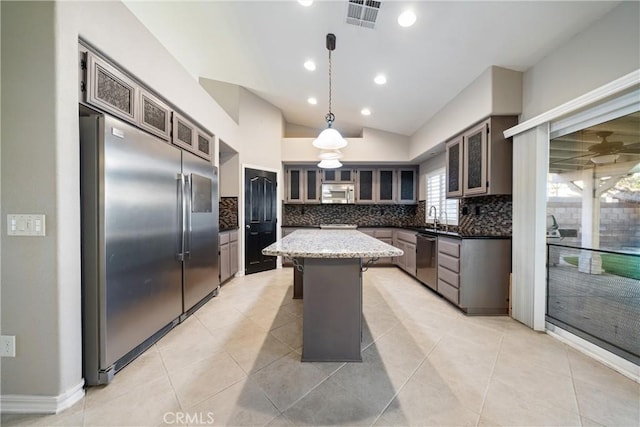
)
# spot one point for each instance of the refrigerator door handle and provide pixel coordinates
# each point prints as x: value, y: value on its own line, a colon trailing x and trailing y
x: 187, y: 224
x: 181, y: 185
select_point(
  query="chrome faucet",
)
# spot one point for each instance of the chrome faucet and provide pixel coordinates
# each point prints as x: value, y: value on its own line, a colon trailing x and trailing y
x: 446, y: 220
x: 435, y: 216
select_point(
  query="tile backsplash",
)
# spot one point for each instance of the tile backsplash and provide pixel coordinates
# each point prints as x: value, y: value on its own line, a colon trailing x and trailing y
x: 228, y: 213
x: 363, y: 215
x: 485, y: 215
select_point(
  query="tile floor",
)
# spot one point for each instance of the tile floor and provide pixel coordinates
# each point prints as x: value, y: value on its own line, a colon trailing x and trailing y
x: 237, y: 362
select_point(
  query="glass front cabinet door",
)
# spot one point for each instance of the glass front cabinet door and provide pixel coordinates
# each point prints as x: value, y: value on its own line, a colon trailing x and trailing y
x: 475, y: 159
x: 312, y: 186
x: 454, y: 167
x: 295, y: 180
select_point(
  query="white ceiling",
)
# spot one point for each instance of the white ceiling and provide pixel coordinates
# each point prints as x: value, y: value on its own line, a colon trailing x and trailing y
x: 262, y: 45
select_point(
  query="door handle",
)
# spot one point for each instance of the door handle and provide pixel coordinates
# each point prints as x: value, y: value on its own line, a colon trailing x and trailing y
x: 187, y: 231
x: 248, y: 227
x: 180, y: 178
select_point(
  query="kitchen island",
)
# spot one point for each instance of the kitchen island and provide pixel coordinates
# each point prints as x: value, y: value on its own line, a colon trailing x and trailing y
x: 332, y: 265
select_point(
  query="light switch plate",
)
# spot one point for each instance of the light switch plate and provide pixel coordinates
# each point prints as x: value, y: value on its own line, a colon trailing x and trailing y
x: 7, y: 346
x: 26, y: 225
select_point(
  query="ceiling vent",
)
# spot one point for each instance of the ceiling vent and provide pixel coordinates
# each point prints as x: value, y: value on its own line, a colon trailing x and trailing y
x: 363, y: 13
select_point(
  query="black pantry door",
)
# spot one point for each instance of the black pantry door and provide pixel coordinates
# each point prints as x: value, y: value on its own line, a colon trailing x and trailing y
x: 259, y: 219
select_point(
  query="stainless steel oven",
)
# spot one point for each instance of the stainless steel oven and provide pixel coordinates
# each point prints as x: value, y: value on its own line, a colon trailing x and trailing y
x: 427, y: 260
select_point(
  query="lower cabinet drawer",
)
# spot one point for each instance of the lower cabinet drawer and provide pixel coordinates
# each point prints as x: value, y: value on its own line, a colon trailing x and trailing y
x: 449, y: 247
x: 449, y: 292
x: 448, y: 276
x: 449, y: 262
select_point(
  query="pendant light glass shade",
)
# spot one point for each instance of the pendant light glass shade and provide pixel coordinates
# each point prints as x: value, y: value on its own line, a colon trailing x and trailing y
x: 329, y: 139
x: 330, y: 155
x: 329, y: 164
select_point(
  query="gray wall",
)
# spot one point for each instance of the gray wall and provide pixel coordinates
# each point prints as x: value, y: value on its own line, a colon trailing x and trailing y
x: 40, y: 170
x: 605, y: 51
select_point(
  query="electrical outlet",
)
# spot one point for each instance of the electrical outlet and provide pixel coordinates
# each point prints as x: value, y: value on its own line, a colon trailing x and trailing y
x: 7, y: 346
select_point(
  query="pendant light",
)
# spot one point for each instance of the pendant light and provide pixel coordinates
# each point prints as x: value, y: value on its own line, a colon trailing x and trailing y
x: 330, y: 139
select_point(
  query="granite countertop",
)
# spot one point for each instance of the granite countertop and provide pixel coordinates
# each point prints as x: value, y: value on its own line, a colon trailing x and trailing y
x: 330, y: 244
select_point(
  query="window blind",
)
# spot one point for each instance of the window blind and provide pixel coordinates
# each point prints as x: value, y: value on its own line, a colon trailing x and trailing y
x: 436, y: 196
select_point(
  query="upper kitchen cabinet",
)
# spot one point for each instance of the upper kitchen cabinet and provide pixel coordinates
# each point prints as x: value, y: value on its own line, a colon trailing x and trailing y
x: 302, y: 185
x: 154, y: 116
x: 341, y: 175
x: 189, y: 136
x: 365, y: 185
x: 295, y: 185
x: 407, y: 188
x: 454, y: 167
x: 109, y: 89
x: 386, y: 185
x: 311, y: 185
x: 479, y: 160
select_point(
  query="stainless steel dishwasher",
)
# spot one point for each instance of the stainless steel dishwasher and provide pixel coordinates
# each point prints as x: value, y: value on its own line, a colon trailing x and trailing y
x: 427, y: 261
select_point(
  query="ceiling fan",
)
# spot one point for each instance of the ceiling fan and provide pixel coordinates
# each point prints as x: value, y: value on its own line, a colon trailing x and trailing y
x: 605, y: 151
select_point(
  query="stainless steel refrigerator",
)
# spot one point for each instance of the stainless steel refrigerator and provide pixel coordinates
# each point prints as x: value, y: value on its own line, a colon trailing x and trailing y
x: 149, y: 240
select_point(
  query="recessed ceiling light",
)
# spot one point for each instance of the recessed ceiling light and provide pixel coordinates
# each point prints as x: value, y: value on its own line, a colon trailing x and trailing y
x: 312, y: 101
x: 407, y: 18
x: 310, y: 65
x: 306, y: 3
x: 380, y: 79
x: 365, y: 112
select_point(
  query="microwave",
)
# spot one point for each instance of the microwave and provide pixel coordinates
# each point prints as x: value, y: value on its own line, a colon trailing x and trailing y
x: 338, y: 193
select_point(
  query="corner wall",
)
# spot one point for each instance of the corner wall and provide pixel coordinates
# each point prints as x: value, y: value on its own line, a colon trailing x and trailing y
x: 40, y: 170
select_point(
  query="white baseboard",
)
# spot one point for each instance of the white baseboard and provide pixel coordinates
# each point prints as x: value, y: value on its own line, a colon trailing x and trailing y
x: 613, y: 361
x: 32, y: 404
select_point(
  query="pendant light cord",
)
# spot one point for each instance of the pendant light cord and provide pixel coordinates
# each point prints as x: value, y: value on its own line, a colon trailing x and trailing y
x: 330, y: 117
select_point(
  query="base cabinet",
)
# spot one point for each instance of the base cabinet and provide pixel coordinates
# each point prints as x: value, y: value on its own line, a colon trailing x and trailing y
x: 228, y: 254
x: 474, y: 274
x: 384, y: 235
x: 406, y: 240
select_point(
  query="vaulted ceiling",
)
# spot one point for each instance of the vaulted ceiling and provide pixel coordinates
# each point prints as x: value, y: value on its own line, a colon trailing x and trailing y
x: 262, y: 45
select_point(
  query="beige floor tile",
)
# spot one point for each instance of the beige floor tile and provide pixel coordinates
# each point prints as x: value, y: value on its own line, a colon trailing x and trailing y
x: 532, y: 382
x: 253, y: 354
x: 618, y: 406
x: 287, y: 380
x: 147, y: 367
x: 202, y: 380
x: 429, y: 365
x: 271, y: 317
x: 186, y: 333
x: 290, y: 334
x: 329, y: 404
x: 281, y: 421
x: 421, y: 403
x: 536, y: 348
x: 587, y: 369
x: 176, y: 358
x: 503, y: 406
x: 293, y: 306
x: 242, y: 404
x: 219, y: 316
x: 143, y: 406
